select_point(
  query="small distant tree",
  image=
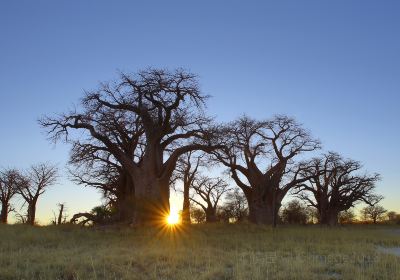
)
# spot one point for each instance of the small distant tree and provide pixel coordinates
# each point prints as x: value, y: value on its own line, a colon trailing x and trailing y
x: 393, y: 217
x: 294, y: 213
x: 197, y: 215
x: 20, y: 218
x: 347, y: 217
x: 9, y: 181
x: 61, y: 217
x: 313, y: 215
x: 235, y: 207
x: 208, y: 193
x: 39, y: 178
x: 375, y: 213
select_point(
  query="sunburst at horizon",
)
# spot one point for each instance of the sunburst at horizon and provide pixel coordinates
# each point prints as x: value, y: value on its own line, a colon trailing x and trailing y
x: 173, y: 217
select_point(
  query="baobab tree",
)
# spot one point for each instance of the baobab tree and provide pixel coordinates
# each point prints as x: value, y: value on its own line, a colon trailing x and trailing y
x: 39, y: 178
x: 187, y: 170
x: 295, y: 213
x: 207, y: 195
x: 155, y: 114
x: 393, y: 217
x: 9, y: 181
x: 374, y: 213
x: 260, y: 157
x: 335, y: 185
x: 347, y: 217
x: 197, y: 215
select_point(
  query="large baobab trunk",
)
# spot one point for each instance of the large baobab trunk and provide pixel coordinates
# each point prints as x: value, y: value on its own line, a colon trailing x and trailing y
x: 126, y: 199
x: 261, y: 213
x: 151, y: 200
x: 329, y: 217
x: 151, y: 189
x: 4, y: 212
x: 211, y: 215
x: 263, y: 206
x: 333, y: 219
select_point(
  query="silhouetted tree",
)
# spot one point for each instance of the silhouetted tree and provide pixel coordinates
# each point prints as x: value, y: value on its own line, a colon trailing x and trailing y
x: 313, y: 215
x: 208, y: 192
x: 20, y: 218
x: 393, y: 217
x: 9, y: 181
x: 260, y: 156
x: 295, y: 213
x: 38, y: 179
x: 235, y: 206
x: 61, y: 217
x: 146, y: 122
x: 373, y: 212
x: 197, y: 214
x: 187, y: 171
x: 347, y: 217
x: 334, y: 186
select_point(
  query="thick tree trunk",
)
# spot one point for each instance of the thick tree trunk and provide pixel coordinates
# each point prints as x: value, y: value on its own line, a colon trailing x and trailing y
x: 186, y: 206
x: 151, y: 188
x: 126, y: 207
x: 211, y: 215
x: 333, y: 218
x: 31, y: 213
x: 4, y: 213
x: 261, y: 213
x: 263, y: 210
x: 151, y: 200
x: 126, y: 199
x: 329, y: 217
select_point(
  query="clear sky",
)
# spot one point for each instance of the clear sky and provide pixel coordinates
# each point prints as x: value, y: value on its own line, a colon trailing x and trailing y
x: 334, y: 65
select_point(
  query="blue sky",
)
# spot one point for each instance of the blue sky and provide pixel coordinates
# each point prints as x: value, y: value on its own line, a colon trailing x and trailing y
x: 334, y: 65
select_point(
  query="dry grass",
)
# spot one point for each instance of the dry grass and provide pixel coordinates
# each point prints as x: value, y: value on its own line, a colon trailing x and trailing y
x: 198, y: 252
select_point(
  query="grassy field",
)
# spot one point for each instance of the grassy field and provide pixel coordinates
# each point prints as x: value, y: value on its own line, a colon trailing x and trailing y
x: 198, y: 252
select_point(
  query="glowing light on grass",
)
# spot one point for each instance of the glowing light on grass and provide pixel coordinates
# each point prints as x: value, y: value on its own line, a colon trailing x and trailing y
x: 173, y: 218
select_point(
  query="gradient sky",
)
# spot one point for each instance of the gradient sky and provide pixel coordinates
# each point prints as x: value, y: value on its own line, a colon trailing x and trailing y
x: 334, y: 65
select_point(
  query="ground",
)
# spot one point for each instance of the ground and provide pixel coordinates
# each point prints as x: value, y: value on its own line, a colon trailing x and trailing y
x: 199, y: 252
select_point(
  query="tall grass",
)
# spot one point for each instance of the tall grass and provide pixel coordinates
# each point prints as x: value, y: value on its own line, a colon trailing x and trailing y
x: 198, y: 252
